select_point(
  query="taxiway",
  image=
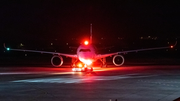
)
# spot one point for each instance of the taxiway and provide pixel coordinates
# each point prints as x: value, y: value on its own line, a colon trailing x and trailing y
x: 127, y: 83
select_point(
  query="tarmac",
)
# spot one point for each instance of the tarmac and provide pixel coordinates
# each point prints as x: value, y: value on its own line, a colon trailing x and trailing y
x: 126, y: 83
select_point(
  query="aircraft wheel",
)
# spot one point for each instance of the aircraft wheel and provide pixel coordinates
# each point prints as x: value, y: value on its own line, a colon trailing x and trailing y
x: 91, y: 69
x: 88, y: 69
x: 104, y: 65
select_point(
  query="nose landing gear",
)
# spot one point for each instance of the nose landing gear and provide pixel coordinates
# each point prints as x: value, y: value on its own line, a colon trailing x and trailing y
x: 84, y: 69
x: 87, y: 69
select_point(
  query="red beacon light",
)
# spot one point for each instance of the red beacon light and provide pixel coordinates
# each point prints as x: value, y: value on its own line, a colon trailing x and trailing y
x: 171, y: 46
x: 86, y: 42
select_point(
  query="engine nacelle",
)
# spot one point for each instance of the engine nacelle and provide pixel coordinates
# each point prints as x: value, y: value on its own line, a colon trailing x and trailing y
x: 56, y: 61
x: 118, y: 60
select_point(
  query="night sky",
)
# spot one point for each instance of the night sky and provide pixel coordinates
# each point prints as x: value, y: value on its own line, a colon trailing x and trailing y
x: 64, y: 19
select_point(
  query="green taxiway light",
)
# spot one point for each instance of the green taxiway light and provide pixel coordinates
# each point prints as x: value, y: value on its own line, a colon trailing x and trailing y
x: 8, y: 49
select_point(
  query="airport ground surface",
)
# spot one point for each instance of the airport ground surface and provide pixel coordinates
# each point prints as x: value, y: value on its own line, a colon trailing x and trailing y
x: 126, y: 83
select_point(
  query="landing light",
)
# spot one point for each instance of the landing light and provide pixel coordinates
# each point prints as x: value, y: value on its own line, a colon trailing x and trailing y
x: 80, y: 65
x: 171, y: 46
x: 76, y: 69
x: 88, y: 62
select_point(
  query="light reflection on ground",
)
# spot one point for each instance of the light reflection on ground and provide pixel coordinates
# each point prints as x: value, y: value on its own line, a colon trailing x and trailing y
x: 79, y: 79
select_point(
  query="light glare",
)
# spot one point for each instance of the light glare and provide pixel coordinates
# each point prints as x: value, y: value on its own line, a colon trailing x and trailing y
x: 80, y: 65
x: 88, y: 62
x: 86, y: 42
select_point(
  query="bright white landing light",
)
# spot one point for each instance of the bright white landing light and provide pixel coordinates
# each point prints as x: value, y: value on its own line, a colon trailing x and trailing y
x: 76, y: 69
x: 88, y: 62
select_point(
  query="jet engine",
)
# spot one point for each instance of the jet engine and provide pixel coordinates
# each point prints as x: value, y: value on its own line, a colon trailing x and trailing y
x: 56, y: 61
x: 118, y: 60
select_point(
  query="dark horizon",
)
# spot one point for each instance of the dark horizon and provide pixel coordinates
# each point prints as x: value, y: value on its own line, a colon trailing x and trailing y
x: 36, y: 20
x: 125, y: 24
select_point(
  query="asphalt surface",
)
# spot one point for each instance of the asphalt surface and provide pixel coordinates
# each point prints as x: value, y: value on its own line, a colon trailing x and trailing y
x: 127, y: 83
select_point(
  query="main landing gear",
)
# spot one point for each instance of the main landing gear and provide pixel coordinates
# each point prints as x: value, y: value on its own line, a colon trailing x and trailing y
x: 103, y: 60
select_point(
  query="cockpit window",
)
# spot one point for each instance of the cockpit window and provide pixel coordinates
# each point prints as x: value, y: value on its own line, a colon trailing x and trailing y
x: 84, y: 50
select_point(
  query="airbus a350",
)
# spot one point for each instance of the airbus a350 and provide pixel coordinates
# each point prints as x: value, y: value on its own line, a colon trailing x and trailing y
x: 87, y: 54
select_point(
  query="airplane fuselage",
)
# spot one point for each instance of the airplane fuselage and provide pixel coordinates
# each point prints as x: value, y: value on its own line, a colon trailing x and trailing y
x: 86, y: 53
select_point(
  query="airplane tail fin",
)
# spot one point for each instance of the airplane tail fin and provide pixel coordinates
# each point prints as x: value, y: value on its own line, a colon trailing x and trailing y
x: 91, y: 33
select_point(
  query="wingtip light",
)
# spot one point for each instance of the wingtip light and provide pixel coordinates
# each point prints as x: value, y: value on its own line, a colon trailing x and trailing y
x: 171, y: 46
x: 8, y: 49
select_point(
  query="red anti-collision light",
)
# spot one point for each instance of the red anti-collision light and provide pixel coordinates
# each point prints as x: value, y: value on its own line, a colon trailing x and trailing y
x: 86, y: 42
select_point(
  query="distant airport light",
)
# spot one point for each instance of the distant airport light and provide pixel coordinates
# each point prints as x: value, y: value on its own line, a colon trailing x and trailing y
x: 86, y: 42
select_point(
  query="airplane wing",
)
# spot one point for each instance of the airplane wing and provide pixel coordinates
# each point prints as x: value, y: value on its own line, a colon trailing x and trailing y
x: 35, y: 51
x: 137, y: 50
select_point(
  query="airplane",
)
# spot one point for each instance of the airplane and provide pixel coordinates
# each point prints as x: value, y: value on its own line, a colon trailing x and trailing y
x: 87, y: 54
